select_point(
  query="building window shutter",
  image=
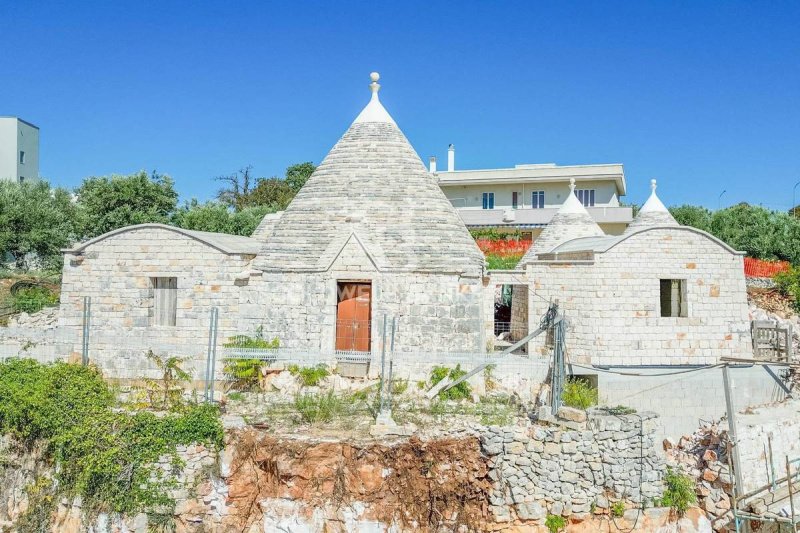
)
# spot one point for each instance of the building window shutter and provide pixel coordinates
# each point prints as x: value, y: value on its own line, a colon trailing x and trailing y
x: 165, y: 301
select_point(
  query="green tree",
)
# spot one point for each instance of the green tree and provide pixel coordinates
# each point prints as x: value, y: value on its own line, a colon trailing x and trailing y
x: 692, y: 215
x: 36, y: 222
x: 110, y: 202
x: 752, y: 229
x: 297, y: 175
x: 274, y: 193
x: 218, y: 218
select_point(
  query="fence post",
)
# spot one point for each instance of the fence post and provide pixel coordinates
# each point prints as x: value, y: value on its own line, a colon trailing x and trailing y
x: 383, y: 368
x: 87, y: 315
x: 211, y: 358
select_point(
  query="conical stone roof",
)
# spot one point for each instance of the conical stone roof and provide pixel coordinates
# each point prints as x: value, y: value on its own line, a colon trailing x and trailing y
x: 652, y: 213
x: 374, y: 188
x: 572, y: 221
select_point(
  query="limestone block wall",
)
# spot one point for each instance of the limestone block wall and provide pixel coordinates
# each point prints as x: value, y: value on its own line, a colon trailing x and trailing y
x: 775, y: 425
x: 563, y: 471
x: 116, y: 274
x: 613, y: 306
x: 436, y: 312
x: 519, y: 311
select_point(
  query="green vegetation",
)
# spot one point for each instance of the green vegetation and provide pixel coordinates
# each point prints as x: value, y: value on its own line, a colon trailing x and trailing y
x: 579, y: 393
x: 555, y: 523
x: 789, y: 284
x: 33, y: 299
x: 245, y: 374
x: 166, y: 392
x: 105, y: 455
x: 493, y: 234
x: 309, y: 376
x: 679, y: 492
x: 460, y: 391
x: 619, y: 410
x: 36, y: 222
x: 323, y: 407
x: 762, y: 233
x: 618, y: 509
x: 496, y: 262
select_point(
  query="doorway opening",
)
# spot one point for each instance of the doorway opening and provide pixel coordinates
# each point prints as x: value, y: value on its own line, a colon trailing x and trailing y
x: 510, y: 316
x: 353, y: 316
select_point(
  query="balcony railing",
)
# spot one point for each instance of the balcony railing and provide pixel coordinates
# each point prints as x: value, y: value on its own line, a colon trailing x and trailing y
x: 538, y: 217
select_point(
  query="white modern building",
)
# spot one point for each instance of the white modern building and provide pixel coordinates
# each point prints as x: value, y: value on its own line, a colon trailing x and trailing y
x: 526, y: 197
x: 19, y: 150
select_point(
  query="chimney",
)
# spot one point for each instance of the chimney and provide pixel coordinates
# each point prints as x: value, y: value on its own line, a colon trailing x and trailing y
x: 433, y: 164
x: 451, y: 158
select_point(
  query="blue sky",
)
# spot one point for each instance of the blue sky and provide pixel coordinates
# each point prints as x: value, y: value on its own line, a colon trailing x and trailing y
x: 703, y: 96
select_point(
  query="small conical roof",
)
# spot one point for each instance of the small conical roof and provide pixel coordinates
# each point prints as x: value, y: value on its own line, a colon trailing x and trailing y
x: 572, y: 221
x: 374, y: 189
x: 652, y: 213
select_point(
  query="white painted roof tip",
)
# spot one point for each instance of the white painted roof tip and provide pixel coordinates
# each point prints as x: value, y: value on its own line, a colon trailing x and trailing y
x: 571, y: 204
x: 653, y: 204
x: 374, y: 111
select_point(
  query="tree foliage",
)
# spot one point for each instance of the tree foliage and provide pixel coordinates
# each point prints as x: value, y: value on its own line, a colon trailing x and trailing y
x: 36, y: 222
x: 218, y: 218
x: 242, y: 190
x: 110, y: 202
x: 692, y: 215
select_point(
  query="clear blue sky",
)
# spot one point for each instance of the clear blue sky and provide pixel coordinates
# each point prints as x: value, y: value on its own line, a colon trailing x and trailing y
x: 703, y: 96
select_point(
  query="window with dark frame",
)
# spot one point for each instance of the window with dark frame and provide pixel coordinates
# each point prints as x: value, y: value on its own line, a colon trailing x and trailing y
x: 488, y: 200
x: 585, y: 196
x: 165, y: 301
x: 514, y: 200
x: 21, y: 157
x: 673, y: 298
x: 537, y: 199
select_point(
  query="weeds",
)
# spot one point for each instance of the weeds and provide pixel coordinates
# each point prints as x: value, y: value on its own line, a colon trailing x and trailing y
x: 33, y: 299
x: 679, y: 493
x: 167, y: 392
x: 579, y: 393
x: 460, y: 391
x: 309, y: 376
x: 316, y: 408
x: 618, y: 509
x: 555, y: 523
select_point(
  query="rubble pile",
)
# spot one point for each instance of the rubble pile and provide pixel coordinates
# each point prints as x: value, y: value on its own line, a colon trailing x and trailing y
x: 704, y: 456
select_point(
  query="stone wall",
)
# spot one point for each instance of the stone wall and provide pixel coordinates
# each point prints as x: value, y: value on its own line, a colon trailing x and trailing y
x: 116, y: 274
x: 436, y: 312
x: 612, y: 301
x: 757, y: 429
x: 519, y: 312
x: 563, y: 470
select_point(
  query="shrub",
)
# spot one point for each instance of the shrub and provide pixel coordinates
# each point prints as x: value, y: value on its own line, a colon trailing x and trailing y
x: 257, y: 342
x: 618, y: 509
x: 315, y: 408
x: 555, y: 523
x: 679, y: 493
x: 460, y: 391
x: 104, y: 455
x: 309, y: 376
x: 166, y: 392
x: 33, y: 299
x: 579, y: 393
x: 789, y: 284
x: 496, y: 262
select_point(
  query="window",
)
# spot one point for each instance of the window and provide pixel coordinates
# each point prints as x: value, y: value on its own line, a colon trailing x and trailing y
x: 488, y: 200
x: 165, y: 301
x: 586, y: 196
x: 514, y: 200
x: 21, y: 179
x: 537, y: 199
x: 21, y: 157
x: 673, y: 298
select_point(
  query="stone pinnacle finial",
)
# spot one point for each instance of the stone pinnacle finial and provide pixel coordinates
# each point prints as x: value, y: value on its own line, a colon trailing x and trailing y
x: 374, y: 86
x: 653, y: 185
x: 572, y: 185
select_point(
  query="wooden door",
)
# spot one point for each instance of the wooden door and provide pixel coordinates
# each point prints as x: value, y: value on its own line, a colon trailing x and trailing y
x: 353, y: 314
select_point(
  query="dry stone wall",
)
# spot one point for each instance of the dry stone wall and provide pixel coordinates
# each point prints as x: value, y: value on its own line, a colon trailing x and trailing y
x: 564, y: 470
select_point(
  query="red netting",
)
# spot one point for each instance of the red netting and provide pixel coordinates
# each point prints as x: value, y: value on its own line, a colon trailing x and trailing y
x: 504, y: 248
x: 758, y: 268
